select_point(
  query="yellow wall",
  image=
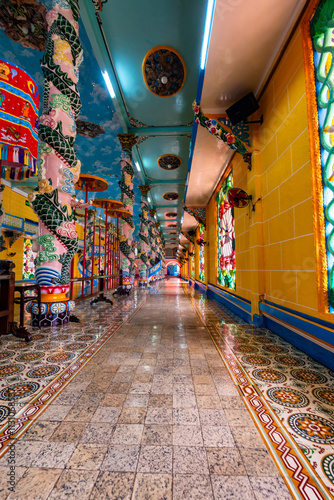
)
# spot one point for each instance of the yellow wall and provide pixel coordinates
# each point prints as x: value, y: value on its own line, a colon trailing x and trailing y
x: 275, y: 244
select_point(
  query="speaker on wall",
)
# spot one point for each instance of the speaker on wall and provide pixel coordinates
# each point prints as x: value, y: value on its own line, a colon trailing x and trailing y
x: 243, y: 108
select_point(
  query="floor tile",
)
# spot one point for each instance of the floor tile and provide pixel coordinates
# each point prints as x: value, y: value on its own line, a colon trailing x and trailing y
x: 113, y: 485
x: 212, y: 417
x: 132, y: 416
x: 113, y: 400
x: 157, y: 435
x: 53, y: 455
x: 121, y: 458
x: 248, y: 438
x: 232, y: 487
x: 106, y: 414
x: 192, y: 486
x: 187, y: 435
x: 87, y: 456
x: 68, y: 432
x: 156, y: 459
x: 159, y: 416
x: 41, y: 430
x: 185, y: 416
x: 55, y: 413
x: 190, y: 460
x: 208, y: 402
x: 258, y: 462
x: 225, y: 461
x: 136, y: 401
x: 152, y: 487
x: 217, y: 436
x: 127, y: 434
x: 80, y: 413
x: 36, y: 484
x: 97, y: 433
x: 273, y: 488
x: 161, y: 400
x: 74, y: 484
x: 24, y: 453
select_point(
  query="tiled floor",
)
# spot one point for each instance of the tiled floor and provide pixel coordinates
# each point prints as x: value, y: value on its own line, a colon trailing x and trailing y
x: 154, y: 413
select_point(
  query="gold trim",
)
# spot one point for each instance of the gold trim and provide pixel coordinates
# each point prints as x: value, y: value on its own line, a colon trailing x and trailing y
x: 166, y: 47
x: 316, y: 173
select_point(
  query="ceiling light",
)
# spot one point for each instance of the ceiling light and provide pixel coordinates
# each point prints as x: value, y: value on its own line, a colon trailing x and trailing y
x: 149, y: 199
x: 109, y: 84
x: 138, y: 166
x: 164, y: 80
x: 207, y: 32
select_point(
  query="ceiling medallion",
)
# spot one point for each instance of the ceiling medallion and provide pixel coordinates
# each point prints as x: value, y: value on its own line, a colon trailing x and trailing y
x: 164, y: 71
x: 173, y: 232
x: 170, y: 196
x: 169, y: 162
x: 171, y: 225
x: 171, y: 214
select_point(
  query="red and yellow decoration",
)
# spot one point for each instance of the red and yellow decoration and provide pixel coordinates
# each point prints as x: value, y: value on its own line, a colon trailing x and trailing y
x: 18, y: 121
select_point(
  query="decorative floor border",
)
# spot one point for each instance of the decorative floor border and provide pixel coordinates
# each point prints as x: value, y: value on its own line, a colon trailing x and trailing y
x: 295, y: 469
x: 11, y: 431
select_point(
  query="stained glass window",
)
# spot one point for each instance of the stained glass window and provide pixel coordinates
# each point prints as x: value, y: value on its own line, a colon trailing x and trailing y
x: 322, y: 46
x: 201, y: 254
x: 28, y: 268
x: 226, y: 237
x: 193, y: 265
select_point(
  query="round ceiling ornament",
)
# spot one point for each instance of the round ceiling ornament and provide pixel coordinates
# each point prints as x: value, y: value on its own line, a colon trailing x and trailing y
x: 164, y: 71
x: 171, y: 225
x: 171, y: 214
x: 169, y: 162
x: 170, y: 196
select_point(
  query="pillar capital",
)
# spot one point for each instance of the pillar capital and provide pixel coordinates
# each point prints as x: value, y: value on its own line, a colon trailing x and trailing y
x: 144, y: 189
x: 127, y: 141
x: 152, y: 211
x: 157, y: 224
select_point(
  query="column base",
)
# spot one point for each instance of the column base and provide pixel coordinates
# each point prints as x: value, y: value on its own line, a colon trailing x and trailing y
x: 52, y: 313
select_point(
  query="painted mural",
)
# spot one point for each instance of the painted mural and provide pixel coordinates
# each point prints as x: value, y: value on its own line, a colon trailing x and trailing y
x: 226, y: 237
x: 99, y: 153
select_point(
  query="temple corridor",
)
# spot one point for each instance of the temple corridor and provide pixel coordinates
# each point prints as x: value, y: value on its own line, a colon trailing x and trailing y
x: 166, y: 395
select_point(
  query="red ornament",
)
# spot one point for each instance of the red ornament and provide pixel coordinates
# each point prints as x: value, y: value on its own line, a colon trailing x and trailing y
x: 238, y: 198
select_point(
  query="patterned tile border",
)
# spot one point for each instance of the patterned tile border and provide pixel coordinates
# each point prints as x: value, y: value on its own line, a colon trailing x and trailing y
x: 13, y: 429
x: 295, y: 469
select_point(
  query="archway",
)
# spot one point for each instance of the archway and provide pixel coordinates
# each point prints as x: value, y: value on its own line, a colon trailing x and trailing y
x: 173, y: 268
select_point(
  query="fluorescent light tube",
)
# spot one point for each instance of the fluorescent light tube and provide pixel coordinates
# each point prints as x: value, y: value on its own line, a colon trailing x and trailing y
x: 207, y: 32
x: 109, y: 84
x: 138, y: 166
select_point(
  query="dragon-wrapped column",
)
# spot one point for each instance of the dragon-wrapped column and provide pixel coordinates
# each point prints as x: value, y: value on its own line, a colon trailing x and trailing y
x: 143, y: 237
x: 59, y: 168
x: 127, y: 226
